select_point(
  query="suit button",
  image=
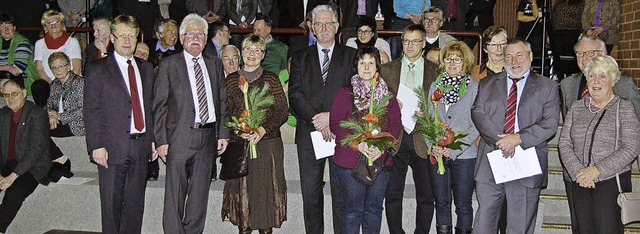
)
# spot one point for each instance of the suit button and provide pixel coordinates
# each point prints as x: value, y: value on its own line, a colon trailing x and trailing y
x: 448, y: 117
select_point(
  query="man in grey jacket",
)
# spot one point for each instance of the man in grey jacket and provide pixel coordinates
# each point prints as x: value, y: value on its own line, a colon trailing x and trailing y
x: 574, y: 88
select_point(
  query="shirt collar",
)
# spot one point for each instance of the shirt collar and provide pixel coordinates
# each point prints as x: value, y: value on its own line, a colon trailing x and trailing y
x: 159, y: 47
x: 419, y: 64
x: 320, y: 53
x: 121, y: 59
x: 190, y: 57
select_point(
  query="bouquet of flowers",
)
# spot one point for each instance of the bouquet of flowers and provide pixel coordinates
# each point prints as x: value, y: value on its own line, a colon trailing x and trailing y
x: 438, y: 133
x: 256, y: 102
x: 367, y: 129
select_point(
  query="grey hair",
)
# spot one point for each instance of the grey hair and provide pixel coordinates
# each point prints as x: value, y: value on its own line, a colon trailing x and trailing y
x: 515, y: 40
x: 161, y: 24
x: 603, y: 64
x: 585, y: 38
x: 228, y: 46
x: 191, y: 19
x: 326, y: 8
x: 433, y: 9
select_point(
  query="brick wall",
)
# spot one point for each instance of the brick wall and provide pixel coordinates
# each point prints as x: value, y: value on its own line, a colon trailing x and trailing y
x: 627, y: 52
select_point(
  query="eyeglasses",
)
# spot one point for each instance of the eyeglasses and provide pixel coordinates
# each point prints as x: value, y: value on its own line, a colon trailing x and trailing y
x: 324, y: 24
x: 454, y: 60
x: 431, y: 20
x: 125, y: 37
x: 364, y: 32
x: 252, y: 50
x: 589, y: 53
x: 53, y: 22
x: 411, y: 42
x: 194, y: 34
x: 496, y: 45
x: 59, y: 67
x: 6, y: 25
x: 227, y: 59
x: 11, y: 95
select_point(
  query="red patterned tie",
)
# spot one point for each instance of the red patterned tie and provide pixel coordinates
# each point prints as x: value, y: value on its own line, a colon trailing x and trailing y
x: 138, y: 121
x: 585, y: 92
x: 512, y: 103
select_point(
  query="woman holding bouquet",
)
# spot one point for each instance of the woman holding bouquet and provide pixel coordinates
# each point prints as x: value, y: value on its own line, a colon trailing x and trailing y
x: 258, y: 201
x: 453, y: 94
x: 362, y: 204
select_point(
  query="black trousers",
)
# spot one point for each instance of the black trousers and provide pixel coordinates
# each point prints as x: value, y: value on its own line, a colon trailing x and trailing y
x: 312, y: 183
x: 597, y: 210
x: 122, y: 187
x: 59, y: 131
x: 15, y: 195
x: 405, y: 158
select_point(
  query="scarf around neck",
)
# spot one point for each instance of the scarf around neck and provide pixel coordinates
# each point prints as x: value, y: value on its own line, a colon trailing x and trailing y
x: 362, y: 92
x: 452, y: 87
x: 55, y: 43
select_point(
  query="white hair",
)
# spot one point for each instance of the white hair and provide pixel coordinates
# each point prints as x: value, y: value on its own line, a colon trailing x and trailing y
x: 192, y: 19
x: 321, y: 8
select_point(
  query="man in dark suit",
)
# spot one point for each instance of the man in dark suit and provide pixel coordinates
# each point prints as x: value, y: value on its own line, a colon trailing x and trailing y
x: 24, y: 149
x: 189, y: 111
x: 117, y: 114
x: 413, y: 71
x: 352, y: 11
x: 296, y: 11
x: 311, y: 93
x: 220, y: 38
x: 146, y: 12
x: 529, y: 121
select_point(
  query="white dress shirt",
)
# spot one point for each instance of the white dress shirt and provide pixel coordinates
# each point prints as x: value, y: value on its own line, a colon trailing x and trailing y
x: 124, y: 70
x: 207, y: 85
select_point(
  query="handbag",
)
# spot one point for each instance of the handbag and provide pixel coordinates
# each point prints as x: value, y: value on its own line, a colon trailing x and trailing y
x: 366, y: 174
x: 629, y: 202
x: 235, y: 160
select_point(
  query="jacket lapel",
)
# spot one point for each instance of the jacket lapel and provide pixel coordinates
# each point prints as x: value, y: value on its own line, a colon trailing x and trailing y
x: 529, y: 89
x: 26, y: 110
x: 4, y: 124
x: 117, y: 75
x: 182, y: 68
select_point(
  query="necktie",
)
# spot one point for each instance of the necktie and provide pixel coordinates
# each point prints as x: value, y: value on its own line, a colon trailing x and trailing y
x: 325, y: 65
x: 201, y: 91
x: 138, y: 121
x: 451, y: 9
x: 512, y: 103
x: 411, y: 76
x: 585, y: 92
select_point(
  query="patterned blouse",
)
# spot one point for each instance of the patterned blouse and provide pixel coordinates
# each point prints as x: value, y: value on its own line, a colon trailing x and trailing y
x: 69, y: 96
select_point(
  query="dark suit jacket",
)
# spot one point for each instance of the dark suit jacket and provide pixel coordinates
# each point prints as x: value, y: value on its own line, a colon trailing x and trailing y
x: 297, y: 43
x: 173, y: 108
x: 107, y: 107
x: 462, y: 7
x: 390, y: 72
x: 32, y: 141
x: 156, y: 56
x: 350, y: 12
x: 294, y: 15
x: 538, y: 117
x: 307, y: 95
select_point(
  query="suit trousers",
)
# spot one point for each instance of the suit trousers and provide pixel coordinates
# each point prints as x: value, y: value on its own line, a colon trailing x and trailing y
x: 15, y: 195
x: 60, y: 131
x: 522, y: 207
x: 312, y: 184
x: 597, y: 210
x: 122, y: 188
x: 186, y: 192
x: 394, y: 194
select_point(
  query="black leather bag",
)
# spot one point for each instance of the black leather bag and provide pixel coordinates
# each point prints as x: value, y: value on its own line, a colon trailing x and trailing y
x: 235, y: 160
x: 366, y: 174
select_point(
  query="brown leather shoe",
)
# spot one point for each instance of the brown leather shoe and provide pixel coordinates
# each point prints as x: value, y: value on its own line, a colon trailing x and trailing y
x: 245, y: 230
x: 266, y: 231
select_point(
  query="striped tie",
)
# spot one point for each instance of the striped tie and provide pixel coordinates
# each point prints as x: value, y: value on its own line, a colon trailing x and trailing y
x: 202, y: 92
x: 585, y: 92
x: 512, y: 103
x: 325, y: 65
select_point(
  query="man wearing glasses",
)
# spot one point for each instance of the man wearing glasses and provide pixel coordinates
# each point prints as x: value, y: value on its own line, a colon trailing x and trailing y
x: 413, y: 71
x: 24, y: 157
x: 189, y: 110
x: 317, y: 72
x: 574, y: 87
x: 117, y: 114
x: 432, y: 20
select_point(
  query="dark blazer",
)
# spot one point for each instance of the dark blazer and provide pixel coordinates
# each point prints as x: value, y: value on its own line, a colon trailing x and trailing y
x: 32, y: 141
x: 294, y: 15
x: 307, y: 95
x: 156, y: 56
x: 625, y: 88
x: 173, y: 108
x: 390, y: 72
x: 297, y: 43
x: 107, y: 107
x: 538, y: 117
x: 462, y: 7
x: 350, y: 12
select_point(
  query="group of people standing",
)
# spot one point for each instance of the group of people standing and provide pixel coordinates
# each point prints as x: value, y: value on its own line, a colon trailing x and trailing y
x: 135, y: 111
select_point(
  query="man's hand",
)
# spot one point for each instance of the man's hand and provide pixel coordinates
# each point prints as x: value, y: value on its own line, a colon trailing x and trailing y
x: 162, y: 152
x: 508, y: 143
x: 6, y: 182
x: 222, y: 145
x: 321, y: 121
x: 154, y: 152
x: 101, y: 156
x: 595, y: 31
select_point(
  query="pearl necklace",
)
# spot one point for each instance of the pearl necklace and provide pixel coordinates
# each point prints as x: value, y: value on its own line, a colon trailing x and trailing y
x: 605, y: 104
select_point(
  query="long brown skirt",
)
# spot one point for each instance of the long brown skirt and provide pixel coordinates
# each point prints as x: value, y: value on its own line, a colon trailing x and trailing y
x: 258, y: 200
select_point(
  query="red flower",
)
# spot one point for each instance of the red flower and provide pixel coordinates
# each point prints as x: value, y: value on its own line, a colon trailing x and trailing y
x: 370, y: 118
x: 242, y: 83
x: 448, y: 138
x: 437, y: 95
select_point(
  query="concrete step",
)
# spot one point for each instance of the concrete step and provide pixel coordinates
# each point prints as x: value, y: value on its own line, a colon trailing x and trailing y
x: 562, y: 224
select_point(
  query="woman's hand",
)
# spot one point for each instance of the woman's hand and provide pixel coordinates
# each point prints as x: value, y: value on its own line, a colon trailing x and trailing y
x: 594, y: 31
x: 372, y: 152
x: 440, y: 151
x: 587, y: 177
x: 256, y: 136
x: 54, y: 119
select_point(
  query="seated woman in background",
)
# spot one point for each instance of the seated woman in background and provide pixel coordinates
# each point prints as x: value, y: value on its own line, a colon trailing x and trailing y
x: 368, y: 36
x: 16, y: 54
x: 65, y: 111
x: 600, y: 139
x: 56, y: 39
x: 362, y: 204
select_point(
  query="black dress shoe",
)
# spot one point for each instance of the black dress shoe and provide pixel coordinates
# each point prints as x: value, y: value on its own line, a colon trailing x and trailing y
x: 152, y: 175
x: 60, y: 170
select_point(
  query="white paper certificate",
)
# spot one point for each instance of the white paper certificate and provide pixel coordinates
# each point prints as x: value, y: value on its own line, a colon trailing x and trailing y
x: 410, y: 102
x: 322, y: 148
x: 523, y: 164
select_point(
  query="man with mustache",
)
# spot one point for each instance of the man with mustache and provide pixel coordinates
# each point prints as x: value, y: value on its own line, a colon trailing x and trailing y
x: 189, y: 110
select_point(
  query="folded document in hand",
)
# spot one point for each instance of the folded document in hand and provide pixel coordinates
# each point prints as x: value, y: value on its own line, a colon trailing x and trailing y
x: 524, y: 163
